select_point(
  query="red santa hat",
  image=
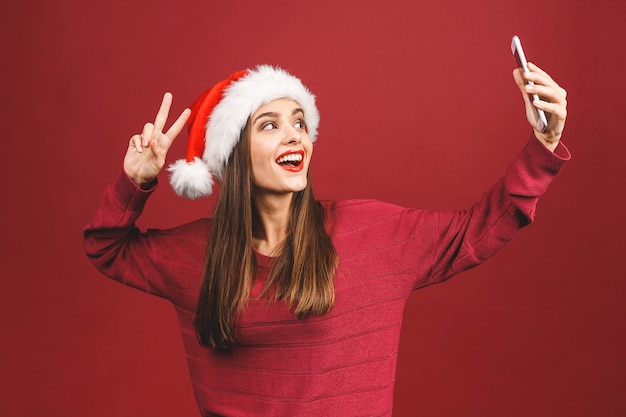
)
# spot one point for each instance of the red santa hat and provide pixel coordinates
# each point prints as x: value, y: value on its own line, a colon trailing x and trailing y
x: 218, y: 117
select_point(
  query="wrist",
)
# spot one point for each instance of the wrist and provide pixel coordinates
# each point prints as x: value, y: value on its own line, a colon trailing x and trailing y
x: 549, y: 142
x: 143, y: 183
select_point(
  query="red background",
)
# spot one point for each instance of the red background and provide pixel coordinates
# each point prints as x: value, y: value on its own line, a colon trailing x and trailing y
x: 418, y: 108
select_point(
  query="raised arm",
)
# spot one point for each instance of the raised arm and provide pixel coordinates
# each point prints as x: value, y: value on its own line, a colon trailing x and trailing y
x: 111, y: 240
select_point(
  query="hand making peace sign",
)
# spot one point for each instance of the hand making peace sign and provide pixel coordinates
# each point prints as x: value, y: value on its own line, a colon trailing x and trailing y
x: 146, y: 152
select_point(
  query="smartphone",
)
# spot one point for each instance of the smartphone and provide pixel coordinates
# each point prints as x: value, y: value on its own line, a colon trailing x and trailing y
x: 520, y: 58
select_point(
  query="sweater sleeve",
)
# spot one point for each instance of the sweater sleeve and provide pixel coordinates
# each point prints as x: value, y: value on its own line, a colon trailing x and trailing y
x: 465, y: 238
x: 155, y: 261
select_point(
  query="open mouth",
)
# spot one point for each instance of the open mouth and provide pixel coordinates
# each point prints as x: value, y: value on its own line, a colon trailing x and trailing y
x: 291, y: 161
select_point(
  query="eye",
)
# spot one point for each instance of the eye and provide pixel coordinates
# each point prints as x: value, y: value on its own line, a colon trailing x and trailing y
x: 300, y: 124
x: 268, y: 126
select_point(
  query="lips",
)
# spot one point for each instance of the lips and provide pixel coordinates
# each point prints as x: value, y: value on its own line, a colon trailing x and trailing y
x: 292, y: 161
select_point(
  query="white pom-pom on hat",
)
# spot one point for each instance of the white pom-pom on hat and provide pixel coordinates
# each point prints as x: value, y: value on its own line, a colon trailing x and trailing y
x: 218, y: 117
x: 191, y: 179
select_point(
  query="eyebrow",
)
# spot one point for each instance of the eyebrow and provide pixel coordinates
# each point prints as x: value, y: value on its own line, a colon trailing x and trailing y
x: 274, y: 114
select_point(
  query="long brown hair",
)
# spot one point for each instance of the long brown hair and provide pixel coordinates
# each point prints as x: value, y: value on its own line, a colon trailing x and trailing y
x: 301, y: 275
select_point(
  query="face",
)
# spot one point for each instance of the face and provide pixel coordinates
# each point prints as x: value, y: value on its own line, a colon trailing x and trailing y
x: 280, y: 148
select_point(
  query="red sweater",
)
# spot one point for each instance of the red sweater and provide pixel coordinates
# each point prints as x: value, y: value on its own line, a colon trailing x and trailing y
x: 342, y: 363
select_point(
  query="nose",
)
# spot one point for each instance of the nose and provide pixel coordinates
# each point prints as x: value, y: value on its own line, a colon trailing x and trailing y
x: 292, y: 135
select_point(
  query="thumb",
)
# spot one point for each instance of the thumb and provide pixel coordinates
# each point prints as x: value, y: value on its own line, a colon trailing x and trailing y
x: 521, y: 84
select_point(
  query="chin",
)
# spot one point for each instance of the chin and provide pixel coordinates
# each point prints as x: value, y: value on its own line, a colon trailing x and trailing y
x: 300, y: 185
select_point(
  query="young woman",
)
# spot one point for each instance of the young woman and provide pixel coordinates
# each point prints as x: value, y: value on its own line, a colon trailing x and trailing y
x: 287, y: 305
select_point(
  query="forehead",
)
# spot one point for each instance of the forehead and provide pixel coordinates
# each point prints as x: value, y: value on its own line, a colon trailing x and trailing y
x: 277, y: 106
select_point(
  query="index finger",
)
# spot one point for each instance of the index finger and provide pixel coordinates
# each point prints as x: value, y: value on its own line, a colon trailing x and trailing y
x: 178, y: 125
x: 164, y: 110
x: 540, y: 72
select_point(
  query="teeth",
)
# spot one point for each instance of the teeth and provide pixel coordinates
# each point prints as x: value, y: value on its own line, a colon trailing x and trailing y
x: 292, y: 157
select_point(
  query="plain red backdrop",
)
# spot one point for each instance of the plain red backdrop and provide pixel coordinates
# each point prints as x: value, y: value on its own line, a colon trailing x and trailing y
x: 418, y: 108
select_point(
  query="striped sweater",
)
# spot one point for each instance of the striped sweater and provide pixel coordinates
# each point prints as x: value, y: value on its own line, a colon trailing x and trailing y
x: 341, y: 363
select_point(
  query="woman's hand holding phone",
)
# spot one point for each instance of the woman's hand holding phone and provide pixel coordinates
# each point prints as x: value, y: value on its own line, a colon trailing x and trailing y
x: 546, y: 114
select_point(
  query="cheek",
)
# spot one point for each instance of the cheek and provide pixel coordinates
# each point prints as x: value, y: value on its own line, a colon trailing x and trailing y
x: 308, y: 148
x: 259, y: 168
x: 259, y: 156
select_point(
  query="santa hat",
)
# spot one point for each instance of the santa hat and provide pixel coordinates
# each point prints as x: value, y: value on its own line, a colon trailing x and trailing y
x: 218, y: 117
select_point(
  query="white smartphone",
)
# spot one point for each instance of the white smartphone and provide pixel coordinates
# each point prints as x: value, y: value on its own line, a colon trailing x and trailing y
x: 520, y: 58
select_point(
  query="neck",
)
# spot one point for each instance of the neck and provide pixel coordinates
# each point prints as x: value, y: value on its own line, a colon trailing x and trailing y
x: 274, y: 212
